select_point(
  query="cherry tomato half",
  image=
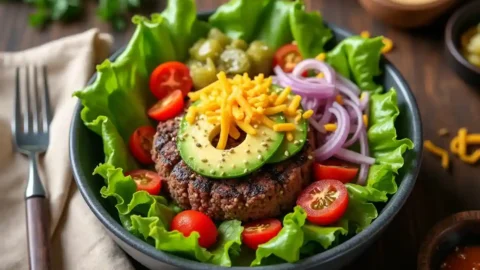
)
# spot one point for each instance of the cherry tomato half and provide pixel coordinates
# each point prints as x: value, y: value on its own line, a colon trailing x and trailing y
x: 140, y: 144
x: 190, y: 221
x: 335, y: 169
x: 168, y: 107
x: 260, y: 231
x: 324, y: 201
x: 146, y: 180
x: 168, y: 77
x: 287, y: 57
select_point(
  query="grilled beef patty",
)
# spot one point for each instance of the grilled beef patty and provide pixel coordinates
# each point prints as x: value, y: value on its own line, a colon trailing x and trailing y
x: 268, y: 192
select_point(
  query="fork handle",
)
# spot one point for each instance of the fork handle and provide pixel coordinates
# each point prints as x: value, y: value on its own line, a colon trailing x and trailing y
x: 37, y: 219
x: 37, y: 231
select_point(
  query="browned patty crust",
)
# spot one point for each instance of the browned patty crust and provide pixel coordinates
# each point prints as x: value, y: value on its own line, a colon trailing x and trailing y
x: 271, y: 190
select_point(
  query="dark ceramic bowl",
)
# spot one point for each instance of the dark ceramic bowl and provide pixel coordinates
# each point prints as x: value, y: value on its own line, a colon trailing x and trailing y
x: 461, y: 21
x: 460, y: 229
x: 86, y: 153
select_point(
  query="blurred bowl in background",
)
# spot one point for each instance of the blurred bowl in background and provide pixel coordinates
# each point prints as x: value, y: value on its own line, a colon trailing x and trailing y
x: 460, y: 229
x: 463, y: 19
x: 407, y: 13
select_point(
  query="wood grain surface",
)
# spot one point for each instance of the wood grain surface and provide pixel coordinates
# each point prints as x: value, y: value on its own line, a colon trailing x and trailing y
x: 445, y: 102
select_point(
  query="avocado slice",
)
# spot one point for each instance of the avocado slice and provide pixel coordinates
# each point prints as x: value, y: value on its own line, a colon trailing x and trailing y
x: 197, y: 151
x: 287, y: 148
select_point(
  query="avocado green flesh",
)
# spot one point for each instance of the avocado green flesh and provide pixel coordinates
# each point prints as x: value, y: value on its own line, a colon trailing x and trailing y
x: 287, y: 148
x: 197, y: 151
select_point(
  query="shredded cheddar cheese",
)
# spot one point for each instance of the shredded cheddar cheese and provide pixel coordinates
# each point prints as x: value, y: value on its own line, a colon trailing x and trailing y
x: 330, y: 127
x: 321, y: 57
x: 307, y: 114
x: 439, y: 152
x: 459, y: 145
x: 339, y: 99
x: 365, y: 120
x: 365, y: 34
x: 284, y: 127
x: 242, y: 103
x: 388, y: 45
x: 320, y: 75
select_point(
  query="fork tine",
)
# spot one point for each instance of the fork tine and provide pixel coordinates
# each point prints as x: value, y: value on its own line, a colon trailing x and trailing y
x: 35, y: 108
x: 27, y: 116
x: 46, y: 102
x: 17, y: 120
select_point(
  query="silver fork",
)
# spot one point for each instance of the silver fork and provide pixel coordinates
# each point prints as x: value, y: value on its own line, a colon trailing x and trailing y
x: 30, y: 129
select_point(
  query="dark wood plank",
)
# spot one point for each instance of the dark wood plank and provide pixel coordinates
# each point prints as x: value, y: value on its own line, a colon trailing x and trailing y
x: 444, y: 100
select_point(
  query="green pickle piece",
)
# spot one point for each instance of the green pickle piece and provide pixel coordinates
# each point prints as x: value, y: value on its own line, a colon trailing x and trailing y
x: 206, y: 48
x: 202, y: 74
x: 216, y: 34
x: 261, y: 57
x: 238, y: 44
x: 234, y: 61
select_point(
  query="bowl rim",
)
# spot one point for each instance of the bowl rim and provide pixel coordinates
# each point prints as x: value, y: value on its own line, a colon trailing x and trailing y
x: 413, y: 7
x: 448, y: 225
x: 391, y: 208
x: 450, y: 43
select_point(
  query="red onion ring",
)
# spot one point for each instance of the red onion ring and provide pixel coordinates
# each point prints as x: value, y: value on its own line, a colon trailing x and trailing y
x: 364, y: 168
x: 360, y: 125
x: 347, y: 92
x: 348, y: 83
x: 317, y: 65
x: 306, y: 89
x: 354, y: 157
x: 330, y: 147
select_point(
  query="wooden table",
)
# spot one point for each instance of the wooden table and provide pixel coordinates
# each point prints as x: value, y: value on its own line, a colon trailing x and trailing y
x: 444, y: 100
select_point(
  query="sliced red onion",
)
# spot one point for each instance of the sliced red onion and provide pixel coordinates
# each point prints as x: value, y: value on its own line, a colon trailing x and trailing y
x: 315, y: 80
x: 330, y: 147
x: 354, y: 157
x: 351, y: 95
x: 349, y: 84
x: 317, y: 65
x: 316, y: 125
x: 360, y: 125
x: 364, y: 150
x: 306, y: 89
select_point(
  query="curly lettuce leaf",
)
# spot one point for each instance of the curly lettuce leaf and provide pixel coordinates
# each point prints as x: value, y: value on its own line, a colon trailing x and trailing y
x: 286, y: 245
x: 185, y: 29
x: 309, y: 31
x: 239, y: 18
x: 323, y: 235
x: 228, y: 242
x: 276, y: 22
x: 150, y: 216
x: 358, y: 58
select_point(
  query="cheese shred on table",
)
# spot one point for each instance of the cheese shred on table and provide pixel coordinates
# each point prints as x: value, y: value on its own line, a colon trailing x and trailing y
x: 458, y: 146
x: 439, y: 152
x: 244, y: 103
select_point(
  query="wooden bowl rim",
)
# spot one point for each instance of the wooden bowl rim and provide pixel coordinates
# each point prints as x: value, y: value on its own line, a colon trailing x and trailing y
x: 447, y: 226
x: 413, y: 7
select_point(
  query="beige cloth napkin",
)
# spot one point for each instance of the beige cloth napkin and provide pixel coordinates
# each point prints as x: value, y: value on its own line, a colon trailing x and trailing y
x: 78, y: 239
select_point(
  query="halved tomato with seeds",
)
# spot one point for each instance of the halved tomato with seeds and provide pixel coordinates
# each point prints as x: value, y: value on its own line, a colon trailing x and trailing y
x: 324, y: 201
x: 146, y: 180
x: 260, y: 231
x: 140, y: 144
